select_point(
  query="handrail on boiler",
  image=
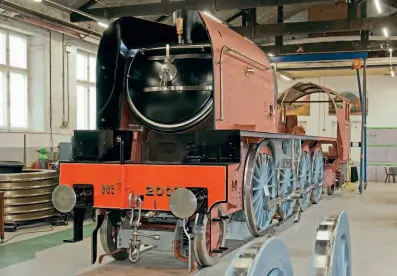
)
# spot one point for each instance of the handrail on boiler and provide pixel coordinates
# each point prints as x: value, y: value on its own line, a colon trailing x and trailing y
x: 230, y: 49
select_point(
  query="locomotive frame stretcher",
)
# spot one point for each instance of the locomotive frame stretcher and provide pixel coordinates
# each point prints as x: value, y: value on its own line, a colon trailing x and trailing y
x: 179, y: 185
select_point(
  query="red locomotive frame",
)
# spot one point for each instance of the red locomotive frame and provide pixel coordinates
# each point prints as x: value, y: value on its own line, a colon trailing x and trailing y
x: 245, y: 106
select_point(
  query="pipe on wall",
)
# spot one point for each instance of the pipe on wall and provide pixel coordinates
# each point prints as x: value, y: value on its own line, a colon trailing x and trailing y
x: 47, y: 22
x: 65, y: 75
x: 50, y: 59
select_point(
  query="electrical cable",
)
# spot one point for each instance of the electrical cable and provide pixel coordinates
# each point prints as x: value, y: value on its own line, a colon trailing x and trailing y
x: 31, y: 232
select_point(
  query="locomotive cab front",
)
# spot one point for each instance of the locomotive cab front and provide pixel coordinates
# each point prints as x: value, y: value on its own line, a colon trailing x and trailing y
x: 167, y: 72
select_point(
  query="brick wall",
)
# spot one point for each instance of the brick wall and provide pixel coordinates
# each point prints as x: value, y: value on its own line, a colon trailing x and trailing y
x: 328, y: 12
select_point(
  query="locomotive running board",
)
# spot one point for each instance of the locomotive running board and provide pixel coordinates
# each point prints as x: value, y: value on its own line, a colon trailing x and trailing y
x: 270, y: 135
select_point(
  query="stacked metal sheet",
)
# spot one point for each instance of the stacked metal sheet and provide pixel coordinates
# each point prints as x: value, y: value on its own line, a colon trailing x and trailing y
x: 28, y: 195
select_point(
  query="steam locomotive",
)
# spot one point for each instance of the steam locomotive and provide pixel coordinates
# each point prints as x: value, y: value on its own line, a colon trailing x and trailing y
x: 190, y: 132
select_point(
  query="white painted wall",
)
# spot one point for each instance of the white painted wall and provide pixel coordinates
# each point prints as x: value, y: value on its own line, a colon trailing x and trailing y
x: 42, y: 91
x: 382, y: 111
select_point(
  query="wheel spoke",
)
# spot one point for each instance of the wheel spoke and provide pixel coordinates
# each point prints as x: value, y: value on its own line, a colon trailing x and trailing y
x: 257, y: 196
x: 257, y: 179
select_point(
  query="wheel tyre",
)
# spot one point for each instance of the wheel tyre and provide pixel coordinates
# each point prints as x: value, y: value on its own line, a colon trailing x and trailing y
x: 107, y: 242
x: 201, y: 250
x: 255, y: 163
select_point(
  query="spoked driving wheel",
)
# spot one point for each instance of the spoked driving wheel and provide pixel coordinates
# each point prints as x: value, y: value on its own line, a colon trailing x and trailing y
x: 304, y: 180
x: 259, y: 188
x: 209, y: 236
x: 287, y: 185
x: 317, y: 176
x: 108, y: 233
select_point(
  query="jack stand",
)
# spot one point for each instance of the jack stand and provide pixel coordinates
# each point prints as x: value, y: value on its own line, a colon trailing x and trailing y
x: 349, y: 184
x: 79, y: 214
x: 191, y: 259
x: 94, y: 243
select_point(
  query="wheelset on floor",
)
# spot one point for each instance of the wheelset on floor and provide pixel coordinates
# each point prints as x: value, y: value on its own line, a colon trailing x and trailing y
x: 331, y: 253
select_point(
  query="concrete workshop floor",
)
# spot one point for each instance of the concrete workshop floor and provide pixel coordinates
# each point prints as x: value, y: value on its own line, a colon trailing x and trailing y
x: 373, y: 222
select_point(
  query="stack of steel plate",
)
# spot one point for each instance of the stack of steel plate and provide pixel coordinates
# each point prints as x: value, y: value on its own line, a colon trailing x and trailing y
x: 28, y: 194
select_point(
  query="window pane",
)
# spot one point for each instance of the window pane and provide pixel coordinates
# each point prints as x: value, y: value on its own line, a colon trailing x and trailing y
x: 18, y: 100
x: 82, y: 67
x: 18, y: 51
x: 92, y: 107
x: 2, y: 48
x: 3, y: 100
x: 92, y: 68
x: 82, y: 107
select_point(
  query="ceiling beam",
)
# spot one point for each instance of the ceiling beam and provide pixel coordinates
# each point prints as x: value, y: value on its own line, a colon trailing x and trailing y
x: 360, y: 24
x: 35, y: 18
x: 330, y: 47
x: 167, y: 7
x: 234, y: 17
x: 88, y: 5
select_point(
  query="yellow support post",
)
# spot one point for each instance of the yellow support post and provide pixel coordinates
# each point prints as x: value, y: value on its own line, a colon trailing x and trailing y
x: 349, y: 184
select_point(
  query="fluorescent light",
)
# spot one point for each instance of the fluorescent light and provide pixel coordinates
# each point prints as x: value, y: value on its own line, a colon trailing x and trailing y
x: 213, y: 17
x: 385, y: 32
x: 38, y: 1
x: 270, y: 55
x: 285, y: 77
x: 377, y: 4
x: 104, y: 25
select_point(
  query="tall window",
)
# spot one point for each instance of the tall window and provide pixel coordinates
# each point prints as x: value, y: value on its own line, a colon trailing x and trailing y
x: 86, y: 90
x: 13, y: 80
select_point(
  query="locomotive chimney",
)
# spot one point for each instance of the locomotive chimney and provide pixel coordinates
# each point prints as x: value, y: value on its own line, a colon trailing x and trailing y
x: 185, y: 22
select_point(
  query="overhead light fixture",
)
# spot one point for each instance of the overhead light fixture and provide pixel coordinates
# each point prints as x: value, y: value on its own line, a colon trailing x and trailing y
x: 377, y: 4
x: 285, y: 77
x: 213, y: 17
x: 385, y: 32
x: 270, y: 55
x: 104, y: 25
x: 38, y: 1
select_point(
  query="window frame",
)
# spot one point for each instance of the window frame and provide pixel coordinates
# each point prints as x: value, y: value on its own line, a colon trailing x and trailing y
x: 88, y: 85
x: 7, y: 69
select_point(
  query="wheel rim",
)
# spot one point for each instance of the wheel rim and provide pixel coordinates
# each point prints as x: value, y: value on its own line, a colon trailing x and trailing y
x: 259, y: 258
x: 259, y: 189
x: 209, y: 237
x: 287, y: 184
x: 304, y: 180
x: 108, y: 235
x: 318, y: 175
x: 332, y: 249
